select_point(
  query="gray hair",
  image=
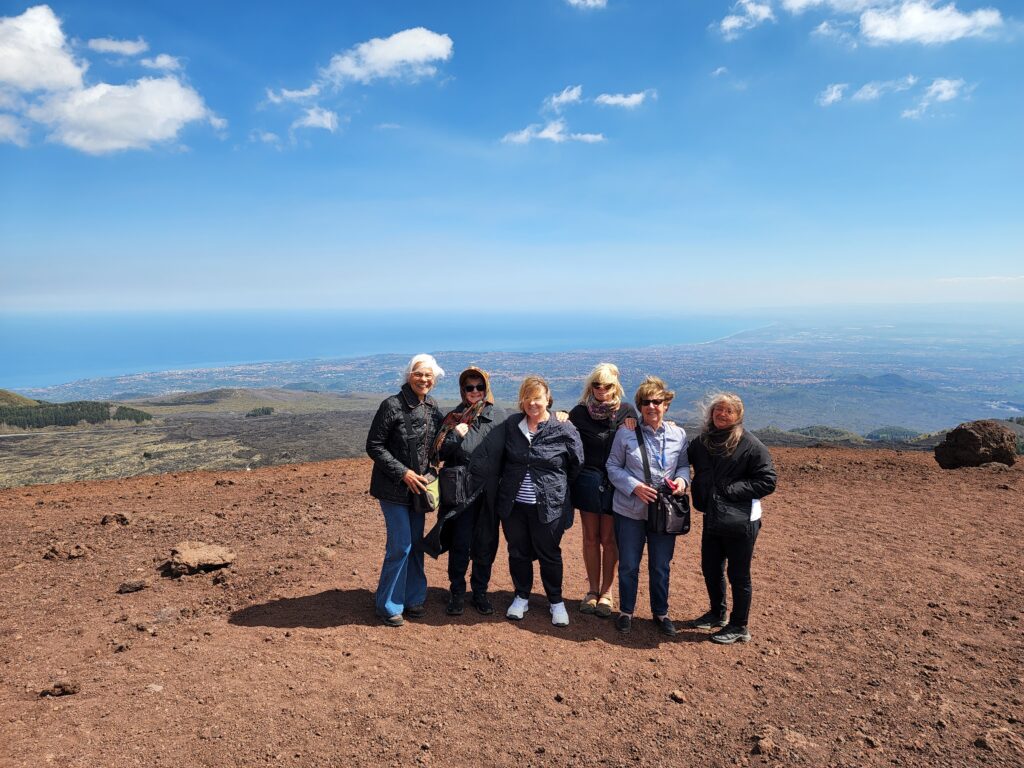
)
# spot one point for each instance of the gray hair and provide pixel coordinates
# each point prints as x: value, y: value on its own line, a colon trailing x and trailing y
x: 423, y: 361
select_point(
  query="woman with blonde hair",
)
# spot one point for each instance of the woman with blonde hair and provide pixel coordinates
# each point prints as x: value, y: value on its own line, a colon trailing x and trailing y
x: 597, y: 416
x: 733, y: 471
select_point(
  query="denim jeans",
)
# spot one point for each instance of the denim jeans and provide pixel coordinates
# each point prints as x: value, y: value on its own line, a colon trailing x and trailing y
x: 631, y: 536
x: 402, y: 581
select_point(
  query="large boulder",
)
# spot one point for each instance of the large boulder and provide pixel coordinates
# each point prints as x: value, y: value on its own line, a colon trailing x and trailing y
x: 975, y: 443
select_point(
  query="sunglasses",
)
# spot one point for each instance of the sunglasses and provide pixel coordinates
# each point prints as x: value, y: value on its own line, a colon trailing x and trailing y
x: 475, y: 388
x: 602, y: 387
x: 645, y: 403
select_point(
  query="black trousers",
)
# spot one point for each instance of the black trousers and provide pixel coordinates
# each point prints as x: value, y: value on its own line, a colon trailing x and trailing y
x: 474, y: 536
x: 729, y: 553
x: 529, y: 539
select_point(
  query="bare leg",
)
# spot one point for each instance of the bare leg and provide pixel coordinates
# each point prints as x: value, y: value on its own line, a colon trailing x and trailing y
x: 592, y: 549
x: 610, y: 555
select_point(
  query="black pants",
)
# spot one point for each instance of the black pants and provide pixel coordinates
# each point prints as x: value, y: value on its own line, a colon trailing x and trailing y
x: 531, y: 539
x: 738, y: 550
x: 474, y: 536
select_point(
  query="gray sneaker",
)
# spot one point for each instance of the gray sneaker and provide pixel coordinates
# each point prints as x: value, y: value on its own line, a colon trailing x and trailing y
x: 709, y: 620
x: 730, y: 635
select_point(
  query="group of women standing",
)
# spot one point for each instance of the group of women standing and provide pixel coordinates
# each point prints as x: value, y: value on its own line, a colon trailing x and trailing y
x: 531, y: 469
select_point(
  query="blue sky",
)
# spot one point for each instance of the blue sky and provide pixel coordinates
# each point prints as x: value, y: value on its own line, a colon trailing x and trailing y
x: 538, y: 154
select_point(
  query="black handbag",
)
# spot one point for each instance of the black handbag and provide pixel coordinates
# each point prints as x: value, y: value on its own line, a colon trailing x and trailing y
x: 668, y: 514
x: 454, y: 485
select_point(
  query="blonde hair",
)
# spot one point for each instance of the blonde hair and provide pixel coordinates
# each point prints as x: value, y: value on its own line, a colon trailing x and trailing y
x: 708, y: 423
x: 426, y: 361
x: 530, y: 385
x: 603, y: 373
x: 650, y: 387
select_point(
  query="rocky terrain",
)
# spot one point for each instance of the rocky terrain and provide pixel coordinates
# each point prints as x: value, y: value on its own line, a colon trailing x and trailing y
x: 886, y: 631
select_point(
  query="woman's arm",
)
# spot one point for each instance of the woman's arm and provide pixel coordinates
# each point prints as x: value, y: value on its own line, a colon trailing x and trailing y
x: 575, y: 451
x: 616, y: 464
x: 682, y: 472
x: 377, y: 441
x: 759, y: 478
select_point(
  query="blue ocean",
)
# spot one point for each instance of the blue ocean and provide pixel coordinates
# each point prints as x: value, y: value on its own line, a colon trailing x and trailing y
x: 40, y: 350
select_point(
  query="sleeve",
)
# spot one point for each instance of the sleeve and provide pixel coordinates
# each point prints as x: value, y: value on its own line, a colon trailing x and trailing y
x: 683, y: 461
x: 377, y: 440
x: 759, y: 478
x: 616, y: 464
x: 575, y: 446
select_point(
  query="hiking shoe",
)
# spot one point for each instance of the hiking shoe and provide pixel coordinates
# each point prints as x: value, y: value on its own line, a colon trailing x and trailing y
x: 482, y: 604
x: 520, y: 605
x: 456, y: 605
x: 559, y: 616
x: 415, y: 611
x: 709, y: 620
x: 393, y: 621
x: 665, y: 626
x: 624, y: 623
x: 730, y: 635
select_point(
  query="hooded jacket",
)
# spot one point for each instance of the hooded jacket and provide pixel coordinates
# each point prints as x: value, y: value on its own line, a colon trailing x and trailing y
x: 456, y: 450
x: 389, y: 440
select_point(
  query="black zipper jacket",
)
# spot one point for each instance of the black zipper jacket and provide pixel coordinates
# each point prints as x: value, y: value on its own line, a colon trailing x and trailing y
x: 388, y: 443
x: 744, y: 475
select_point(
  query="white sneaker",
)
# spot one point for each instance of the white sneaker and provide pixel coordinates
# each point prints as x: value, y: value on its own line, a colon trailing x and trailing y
x: 559, y: 616
x: 520, y: 605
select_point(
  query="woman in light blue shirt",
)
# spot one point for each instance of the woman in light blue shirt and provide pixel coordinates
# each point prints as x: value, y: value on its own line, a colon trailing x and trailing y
x: 666, y: 451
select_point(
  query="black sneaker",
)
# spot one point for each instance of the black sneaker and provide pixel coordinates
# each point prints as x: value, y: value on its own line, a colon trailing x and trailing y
x: 456, y: 605
x: 709, y: 620
x: 415, y: 611
x: 665, y: 626
x: 624, y: 623
x: 482, y: 604
x: 730, y: 635
x: 393, y: 621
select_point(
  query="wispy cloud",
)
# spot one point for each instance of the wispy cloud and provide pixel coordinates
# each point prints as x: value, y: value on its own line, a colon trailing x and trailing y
x: 719, y: 71
x: 317, y: 117
x: 588, y: 3
x: 941, y: 90
x: 410, y: 55
x: 920, y: 21
x: 841, y: 31
x: 746, y: 14
x: 571, y: 94
x: 162, y: 61
x: 626, y: 100
x: 832, y: 94
x: 878, y: 88
x: 121, y: 47
x: 283, y: 95
x: 13, y: 131
x: 265, y: 137
x: 554, y: 131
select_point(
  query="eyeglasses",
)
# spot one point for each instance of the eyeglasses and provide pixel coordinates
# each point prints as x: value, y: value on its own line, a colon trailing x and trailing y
x: 645, y: 403
x: 474, y: 388
x: 602, y: 387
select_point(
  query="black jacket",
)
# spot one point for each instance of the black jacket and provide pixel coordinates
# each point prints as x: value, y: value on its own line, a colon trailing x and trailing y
x: 597, y: 436
x: 457, y: 451
x: 388, y: 443
x: 554, y: 458
x: 745, y: 475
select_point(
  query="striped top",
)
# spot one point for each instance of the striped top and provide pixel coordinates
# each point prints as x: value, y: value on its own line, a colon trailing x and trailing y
x: 527, y: 493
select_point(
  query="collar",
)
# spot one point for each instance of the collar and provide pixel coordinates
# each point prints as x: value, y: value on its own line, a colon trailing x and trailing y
x: 412, y: 400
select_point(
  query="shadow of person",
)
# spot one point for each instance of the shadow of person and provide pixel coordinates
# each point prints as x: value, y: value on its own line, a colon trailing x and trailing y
x: 330, y: 608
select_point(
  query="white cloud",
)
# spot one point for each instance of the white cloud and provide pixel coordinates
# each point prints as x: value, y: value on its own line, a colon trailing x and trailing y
x: 588, y: 3
x: 746, y: 14
x: 13, y: 131
x: 626, y: 100
x: 264, y: 137
x: 571, y: 94
x: 840, y: 6
x: 941, y: 90
x: 832, y: 94
x: 278, y: 97
x: 840, y: 31
x: 34, y: 54
x: 409, y: 54
x: 554, y: 131
x: 317, y: 117
x: 163, y: 61
x: 122, y: 47
x: 920, y: 21
x: 878, y: 88
x: 719, y: 71
x: 108, y: 118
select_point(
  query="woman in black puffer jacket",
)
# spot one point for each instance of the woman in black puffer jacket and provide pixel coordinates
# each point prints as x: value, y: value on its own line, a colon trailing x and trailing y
x: 732, y: 472
x: 399, y: 442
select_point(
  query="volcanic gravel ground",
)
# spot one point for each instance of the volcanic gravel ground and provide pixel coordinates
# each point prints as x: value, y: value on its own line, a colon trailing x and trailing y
x: 886, y: 631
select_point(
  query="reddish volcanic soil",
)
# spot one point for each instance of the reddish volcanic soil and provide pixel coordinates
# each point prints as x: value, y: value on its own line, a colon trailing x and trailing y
x: 886, y: 631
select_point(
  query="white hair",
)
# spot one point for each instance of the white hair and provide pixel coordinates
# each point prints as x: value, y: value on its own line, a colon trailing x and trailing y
x: 423, y: 361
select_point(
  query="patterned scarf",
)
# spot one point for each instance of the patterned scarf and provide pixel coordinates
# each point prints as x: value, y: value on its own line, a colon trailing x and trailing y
x: 602, y: 411
x: 466, y: 416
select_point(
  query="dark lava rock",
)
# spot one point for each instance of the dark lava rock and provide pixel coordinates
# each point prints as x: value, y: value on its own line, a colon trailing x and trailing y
x: 117, y: 517
x: 131, y: 586
x: 61, y: 688
x: 975, y: 443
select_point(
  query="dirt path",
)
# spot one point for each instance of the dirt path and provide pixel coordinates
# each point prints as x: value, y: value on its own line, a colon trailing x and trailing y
x: 886, y: 623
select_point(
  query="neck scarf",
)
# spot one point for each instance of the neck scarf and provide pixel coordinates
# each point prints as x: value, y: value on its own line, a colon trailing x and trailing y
x: 602, y: 411
x: 718, y: 440
x: 466, y: 416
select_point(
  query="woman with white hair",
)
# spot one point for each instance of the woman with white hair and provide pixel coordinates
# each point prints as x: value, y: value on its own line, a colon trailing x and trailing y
x: 399, y: 442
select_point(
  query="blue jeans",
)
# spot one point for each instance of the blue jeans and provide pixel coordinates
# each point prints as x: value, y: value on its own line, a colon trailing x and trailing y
x: 402, y: 581
x: 631, y: 536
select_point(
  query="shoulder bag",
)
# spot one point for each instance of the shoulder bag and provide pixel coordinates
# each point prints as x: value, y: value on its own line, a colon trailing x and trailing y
x: 668, y: 514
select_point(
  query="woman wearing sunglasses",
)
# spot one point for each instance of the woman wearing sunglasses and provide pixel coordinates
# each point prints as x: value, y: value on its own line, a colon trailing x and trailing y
x: 666, y: 451
x: 475, y: 529
x: 598, y: 415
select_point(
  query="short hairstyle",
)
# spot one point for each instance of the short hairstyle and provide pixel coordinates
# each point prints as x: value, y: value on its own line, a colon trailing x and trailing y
x: 603, y: 373
x: 653, y: 388
x: 530, y: 385
x: 708, y: 424
x: 423, y: 360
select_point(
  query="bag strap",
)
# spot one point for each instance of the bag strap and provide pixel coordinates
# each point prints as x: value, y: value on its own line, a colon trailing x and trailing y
x: 643, y: 453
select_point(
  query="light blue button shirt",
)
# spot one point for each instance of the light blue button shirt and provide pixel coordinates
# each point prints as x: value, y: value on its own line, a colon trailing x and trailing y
x: 666, y: 451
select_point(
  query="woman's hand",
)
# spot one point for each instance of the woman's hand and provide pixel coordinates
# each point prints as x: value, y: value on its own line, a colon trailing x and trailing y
x: 645, y: 493
x: 562, y: 416
x: 680, y: 489
x: 628, y: 423
x: 416, y: 483
x: 462, y: 429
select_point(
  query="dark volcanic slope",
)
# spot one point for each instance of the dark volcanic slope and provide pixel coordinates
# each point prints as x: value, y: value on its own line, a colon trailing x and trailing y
x: 886, y: 632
